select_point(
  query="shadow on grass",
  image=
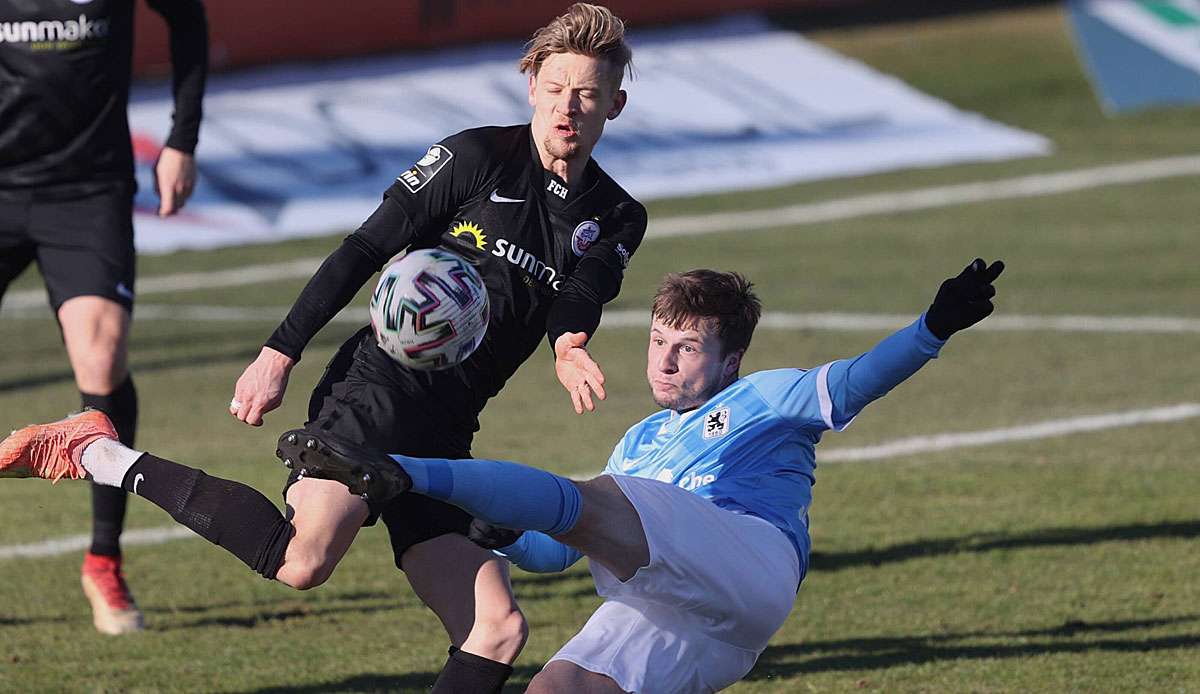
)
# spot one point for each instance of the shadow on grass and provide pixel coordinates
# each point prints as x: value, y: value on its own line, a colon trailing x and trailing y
x: 877, y: 653
x: 409, y: 682
x: 281, y: 612
x: 244, y: 352
x: 22, y: 621
x: 987, y: 542
x: 326, y: 600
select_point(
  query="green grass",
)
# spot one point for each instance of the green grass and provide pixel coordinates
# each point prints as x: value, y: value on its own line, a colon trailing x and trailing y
x: 1061, y: 564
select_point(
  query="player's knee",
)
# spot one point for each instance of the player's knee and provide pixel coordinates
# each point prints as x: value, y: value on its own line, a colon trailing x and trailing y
x: 501, y: 633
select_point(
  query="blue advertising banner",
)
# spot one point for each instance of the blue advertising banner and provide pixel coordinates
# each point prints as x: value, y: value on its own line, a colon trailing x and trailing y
x: 1140, y: 53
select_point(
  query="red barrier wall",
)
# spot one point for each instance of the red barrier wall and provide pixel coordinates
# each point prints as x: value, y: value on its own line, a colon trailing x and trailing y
x: 255, y: 32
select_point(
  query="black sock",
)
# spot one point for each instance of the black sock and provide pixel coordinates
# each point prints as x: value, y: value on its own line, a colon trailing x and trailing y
x: 226, y: 513
x: 108, y: 503
x: 108, y: 519
x: 467, y: 673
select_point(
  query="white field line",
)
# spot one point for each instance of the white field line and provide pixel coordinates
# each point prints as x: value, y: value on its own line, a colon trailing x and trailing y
x: 629, y: 318
x: 1043, y: 430
x: 792, y: 215
x: 929, y: 198
x: 901, y: 447
x: 188, y: 281
x: 78, y: 543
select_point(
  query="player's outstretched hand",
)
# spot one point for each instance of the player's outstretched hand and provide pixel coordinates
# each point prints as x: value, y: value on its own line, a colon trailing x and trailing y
x: 260, y: 387
x: 577, y: 371
x: 965, y: 300
x: 490, y: 536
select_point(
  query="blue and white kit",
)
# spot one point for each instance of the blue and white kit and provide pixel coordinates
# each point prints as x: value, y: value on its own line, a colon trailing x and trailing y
x: 720, y: 581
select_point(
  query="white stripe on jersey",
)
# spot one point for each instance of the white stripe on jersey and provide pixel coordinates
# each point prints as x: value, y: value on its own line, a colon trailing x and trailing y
x: 823, y: 395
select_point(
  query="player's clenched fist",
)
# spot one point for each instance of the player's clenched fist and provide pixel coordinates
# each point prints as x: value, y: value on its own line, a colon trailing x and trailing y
x: 965, y: 300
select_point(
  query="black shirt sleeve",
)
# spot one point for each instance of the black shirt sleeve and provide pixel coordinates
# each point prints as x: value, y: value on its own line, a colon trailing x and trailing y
x: 597, y: 277
x: 415, y: 211
x: 385, y: 233
x: 187, y: 25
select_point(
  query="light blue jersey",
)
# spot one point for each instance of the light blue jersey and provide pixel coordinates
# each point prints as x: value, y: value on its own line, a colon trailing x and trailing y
x: 750, y: 448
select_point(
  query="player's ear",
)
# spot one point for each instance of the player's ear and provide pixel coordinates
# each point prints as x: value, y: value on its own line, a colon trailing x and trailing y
x: 733, y: 362
x: 532, y: 87
x: 619, y: 100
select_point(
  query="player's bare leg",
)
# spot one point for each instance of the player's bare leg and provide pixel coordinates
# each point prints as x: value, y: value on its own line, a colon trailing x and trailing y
x: 469, y: 590
x: 95, y: 331
x: 325, y: 521
x: 446, y: 570
x: 487, y: 630
x: 565, y: 676
x: 609, y: 530
x: 605, y: 526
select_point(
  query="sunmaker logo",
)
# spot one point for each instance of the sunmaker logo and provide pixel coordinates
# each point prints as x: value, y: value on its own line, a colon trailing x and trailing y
x: 510, y: 251
x: 528, y: 262
x: 52, y: 31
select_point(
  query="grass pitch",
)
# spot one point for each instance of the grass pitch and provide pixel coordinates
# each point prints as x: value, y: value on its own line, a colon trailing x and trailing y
x: 1059, y: 564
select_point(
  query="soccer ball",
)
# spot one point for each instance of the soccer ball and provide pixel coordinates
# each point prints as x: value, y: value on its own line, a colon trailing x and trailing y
x: 429, y: 310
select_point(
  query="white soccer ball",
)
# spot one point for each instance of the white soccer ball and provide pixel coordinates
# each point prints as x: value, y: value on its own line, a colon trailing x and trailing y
x: 429, y: 310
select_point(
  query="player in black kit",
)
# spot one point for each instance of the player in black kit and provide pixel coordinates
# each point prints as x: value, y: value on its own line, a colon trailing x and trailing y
x: 66, y: 201
x: 551, y: 234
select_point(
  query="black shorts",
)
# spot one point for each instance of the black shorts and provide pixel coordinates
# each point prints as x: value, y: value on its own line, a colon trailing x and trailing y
x: 359, y: 399
x: 80, y: 236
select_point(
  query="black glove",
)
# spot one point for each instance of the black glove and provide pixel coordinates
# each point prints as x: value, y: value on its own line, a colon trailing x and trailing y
x: 490, y: 536
x: 965, y: 300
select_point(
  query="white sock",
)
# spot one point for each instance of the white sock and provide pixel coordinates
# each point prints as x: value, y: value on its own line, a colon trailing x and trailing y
x: 107, y: 461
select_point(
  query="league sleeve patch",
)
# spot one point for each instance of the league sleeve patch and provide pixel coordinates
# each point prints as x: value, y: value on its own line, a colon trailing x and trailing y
x: 585, y: 235
x: 426, y: 168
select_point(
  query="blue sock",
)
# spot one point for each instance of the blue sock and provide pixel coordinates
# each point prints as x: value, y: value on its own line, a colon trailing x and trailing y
x: 505, y: 494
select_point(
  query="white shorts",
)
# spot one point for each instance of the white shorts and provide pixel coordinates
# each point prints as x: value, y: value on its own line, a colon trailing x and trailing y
x: 719, y: 584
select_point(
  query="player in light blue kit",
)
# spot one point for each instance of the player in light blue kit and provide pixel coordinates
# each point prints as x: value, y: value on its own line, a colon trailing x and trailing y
x: 698, y: 528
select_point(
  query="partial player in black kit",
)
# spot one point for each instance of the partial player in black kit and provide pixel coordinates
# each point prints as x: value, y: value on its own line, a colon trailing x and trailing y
x: 66, y: 202
x: 551, y: 235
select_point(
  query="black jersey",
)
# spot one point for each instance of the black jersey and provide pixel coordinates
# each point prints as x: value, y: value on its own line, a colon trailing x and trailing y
x: 64, y: 87
x: 550, y: 254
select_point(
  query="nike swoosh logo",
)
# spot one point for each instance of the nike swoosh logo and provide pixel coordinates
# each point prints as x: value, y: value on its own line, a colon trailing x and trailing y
x: 497, y: 197
x: 137, y: 479
x: 124, y: 291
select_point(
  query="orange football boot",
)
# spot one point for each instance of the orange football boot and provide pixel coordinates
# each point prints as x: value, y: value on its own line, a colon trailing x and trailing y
x: 53, y: 451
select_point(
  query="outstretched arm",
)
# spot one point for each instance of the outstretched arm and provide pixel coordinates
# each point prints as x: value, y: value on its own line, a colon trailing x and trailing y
x: 261, y: 386
x: 961, y: 302
x: 408, y: 214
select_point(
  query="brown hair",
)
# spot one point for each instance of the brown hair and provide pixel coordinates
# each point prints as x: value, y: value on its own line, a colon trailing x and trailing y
x: 685, y: 300
x: 584, y: 29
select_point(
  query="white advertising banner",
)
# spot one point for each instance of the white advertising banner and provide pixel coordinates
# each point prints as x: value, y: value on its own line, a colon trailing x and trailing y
x: 303, y: 151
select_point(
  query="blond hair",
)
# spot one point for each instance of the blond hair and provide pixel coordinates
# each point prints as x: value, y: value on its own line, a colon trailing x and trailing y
x: 584, y: 29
